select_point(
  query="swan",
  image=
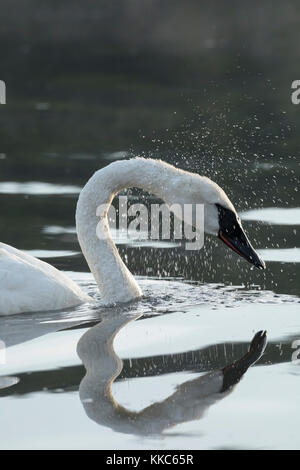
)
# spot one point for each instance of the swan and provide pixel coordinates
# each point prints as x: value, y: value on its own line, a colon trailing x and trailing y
x: 28, y: 284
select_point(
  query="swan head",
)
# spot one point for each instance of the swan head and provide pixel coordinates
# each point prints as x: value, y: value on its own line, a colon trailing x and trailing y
x: 222, y: 220
x: 233, y: 235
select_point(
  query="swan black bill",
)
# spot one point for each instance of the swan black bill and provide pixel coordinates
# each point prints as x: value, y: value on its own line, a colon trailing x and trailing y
x: 238, y: 242
x: 233, y: 235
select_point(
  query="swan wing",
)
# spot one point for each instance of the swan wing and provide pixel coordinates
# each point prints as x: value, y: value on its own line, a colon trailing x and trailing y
x: 28, y: 284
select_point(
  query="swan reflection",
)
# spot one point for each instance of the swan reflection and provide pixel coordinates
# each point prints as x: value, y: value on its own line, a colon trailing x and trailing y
x: 189, y: 402
x: 6, y: 382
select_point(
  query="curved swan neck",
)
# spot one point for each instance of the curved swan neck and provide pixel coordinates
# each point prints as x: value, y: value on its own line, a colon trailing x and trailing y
x: 115, y: 281
x: 151, y: 175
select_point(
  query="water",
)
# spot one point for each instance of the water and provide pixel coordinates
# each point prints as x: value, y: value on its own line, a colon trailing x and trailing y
x: 212, y: 101
x: 176, y: 336
x: 180, y: 330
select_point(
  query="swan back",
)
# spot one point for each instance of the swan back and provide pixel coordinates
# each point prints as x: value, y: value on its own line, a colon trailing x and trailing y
x: 28, y: 284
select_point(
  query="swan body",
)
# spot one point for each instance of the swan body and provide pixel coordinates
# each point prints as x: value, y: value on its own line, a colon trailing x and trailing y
x: 28, y: 284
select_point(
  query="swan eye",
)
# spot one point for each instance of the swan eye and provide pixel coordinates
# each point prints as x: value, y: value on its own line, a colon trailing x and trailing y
x: 227, y: 219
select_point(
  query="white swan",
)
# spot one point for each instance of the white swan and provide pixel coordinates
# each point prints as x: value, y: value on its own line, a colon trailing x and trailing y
x: 28, y: 284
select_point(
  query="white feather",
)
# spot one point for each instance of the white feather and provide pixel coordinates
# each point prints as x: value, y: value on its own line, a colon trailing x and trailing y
x: 27, y: 284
